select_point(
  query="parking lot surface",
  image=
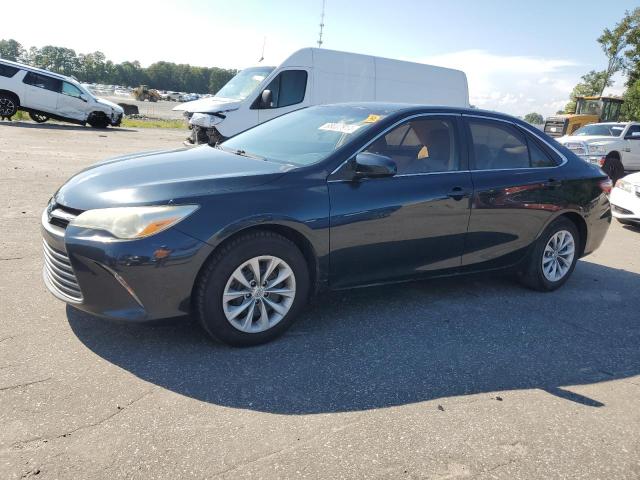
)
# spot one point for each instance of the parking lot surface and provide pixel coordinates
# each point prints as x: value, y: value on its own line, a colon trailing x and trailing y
x: 459, y: 378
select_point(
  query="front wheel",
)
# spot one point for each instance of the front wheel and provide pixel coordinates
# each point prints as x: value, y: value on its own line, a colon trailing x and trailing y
x: 553, y: 258
x: 252, y: 289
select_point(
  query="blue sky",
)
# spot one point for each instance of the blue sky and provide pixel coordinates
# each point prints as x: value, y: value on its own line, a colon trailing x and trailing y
x: 519, y: 57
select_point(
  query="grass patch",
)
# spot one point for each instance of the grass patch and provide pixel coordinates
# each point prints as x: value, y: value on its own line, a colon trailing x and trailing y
x: 20, y: 115
x: 157, y: 123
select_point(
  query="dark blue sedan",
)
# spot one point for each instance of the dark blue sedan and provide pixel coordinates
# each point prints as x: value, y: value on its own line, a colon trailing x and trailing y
x: 241, y: 235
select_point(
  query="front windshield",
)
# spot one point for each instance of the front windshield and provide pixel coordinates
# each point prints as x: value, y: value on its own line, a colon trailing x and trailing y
x: 600, y: 129
x: 245, y: 82
x: 306, y: 136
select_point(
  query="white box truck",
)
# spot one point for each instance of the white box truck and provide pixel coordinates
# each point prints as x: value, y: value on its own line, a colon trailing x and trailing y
x: 313, y: 76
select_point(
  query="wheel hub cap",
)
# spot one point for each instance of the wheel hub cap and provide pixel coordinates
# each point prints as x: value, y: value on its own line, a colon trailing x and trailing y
x: 558, y: 255
x: 259, y: 293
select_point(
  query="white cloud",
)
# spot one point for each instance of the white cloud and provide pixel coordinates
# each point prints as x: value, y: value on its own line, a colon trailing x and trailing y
x: 513, y: 84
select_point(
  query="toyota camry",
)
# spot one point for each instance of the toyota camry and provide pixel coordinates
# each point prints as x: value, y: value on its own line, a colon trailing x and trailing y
x: 241, y: 235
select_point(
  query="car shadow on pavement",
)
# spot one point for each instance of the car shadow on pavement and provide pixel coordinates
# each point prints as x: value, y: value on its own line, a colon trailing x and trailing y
x: 60, y: 126
x: 395, y: 345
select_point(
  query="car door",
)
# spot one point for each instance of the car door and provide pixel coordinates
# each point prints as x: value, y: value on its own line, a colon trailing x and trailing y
x: 41, y: 92
x: 408, y: 225
x: 289, y: 92
x: 631, y: 155
x: 72, y: 103
x: 517, y: 187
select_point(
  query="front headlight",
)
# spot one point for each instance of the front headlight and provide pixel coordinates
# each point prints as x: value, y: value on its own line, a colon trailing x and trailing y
x: 133, y: 222
x: 627, y: 186
x: 597, y: 150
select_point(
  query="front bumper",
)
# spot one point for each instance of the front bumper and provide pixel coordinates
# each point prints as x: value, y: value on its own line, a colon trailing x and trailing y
x: 625, y: 205
x: 137, y: 280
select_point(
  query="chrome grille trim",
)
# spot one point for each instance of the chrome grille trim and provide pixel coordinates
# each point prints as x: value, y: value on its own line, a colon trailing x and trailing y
x: 59, y: 274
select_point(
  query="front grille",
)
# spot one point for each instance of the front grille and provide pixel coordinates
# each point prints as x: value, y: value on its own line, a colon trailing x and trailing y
x: 555, y: 127
x: 61, y: 216
x: 59, y: 273
x: 578, y: 148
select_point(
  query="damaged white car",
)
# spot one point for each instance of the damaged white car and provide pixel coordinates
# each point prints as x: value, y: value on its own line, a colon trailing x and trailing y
x: 46, y: 95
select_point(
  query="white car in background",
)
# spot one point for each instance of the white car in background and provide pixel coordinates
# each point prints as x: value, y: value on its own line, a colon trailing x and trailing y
x: 613, y: 146
x: 625, y: 200
x: 46, y: 95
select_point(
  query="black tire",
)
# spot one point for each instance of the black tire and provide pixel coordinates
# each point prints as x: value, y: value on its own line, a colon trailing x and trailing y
x: 532, y: 275
x: 38, y: 117
x: 613, y: 167
x: 98, y: 120
x: 8, y: 105
x: 208, y: 304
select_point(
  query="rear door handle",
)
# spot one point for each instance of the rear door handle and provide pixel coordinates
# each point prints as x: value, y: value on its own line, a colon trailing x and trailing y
x: 458, y: 193
x: 552, y: 182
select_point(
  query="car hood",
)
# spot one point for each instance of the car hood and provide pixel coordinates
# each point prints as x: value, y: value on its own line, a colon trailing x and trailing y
x: 113, y: 105
x: 633, y: 178
x: 209, y: 105
x: 160, y: 177
x: 586, y: 139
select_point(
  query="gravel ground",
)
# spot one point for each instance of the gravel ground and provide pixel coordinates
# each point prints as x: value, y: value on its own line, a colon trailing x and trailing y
x: 463, y: 378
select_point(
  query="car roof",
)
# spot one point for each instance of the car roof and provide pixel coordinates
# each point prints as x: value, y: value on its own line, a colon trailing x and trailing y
x: 28, y: 68
x: 408, y: 108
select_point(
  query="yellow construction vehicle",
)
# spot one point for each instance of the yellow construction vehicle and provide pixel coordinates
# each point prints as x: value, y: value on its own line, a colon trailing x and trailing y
x: 143, y: 93
x: 588, y: 110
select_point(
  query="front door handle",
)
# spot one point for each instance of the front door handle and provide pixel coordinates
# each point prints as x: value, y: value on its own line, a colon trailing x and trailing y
x: 458, y: 193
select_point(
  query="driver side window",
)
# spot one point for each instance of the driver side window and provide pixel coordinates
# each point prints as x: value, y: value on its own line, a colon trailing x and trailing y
x: 288, y: 88
x: 420, y: 146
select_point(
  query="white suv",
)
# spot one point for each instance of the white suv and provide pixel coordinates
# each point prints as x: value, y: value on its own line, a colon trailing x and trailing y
x: 47, y: 95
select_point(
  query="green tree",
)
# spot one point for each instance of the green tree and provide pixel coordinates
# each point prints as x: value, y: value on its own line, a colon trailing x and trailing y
x: 613, y: 43
x: 632, y: 52
x: 10, y: 49
x: 534, y: 118
x: 593, y: 83
x: 631, y: 106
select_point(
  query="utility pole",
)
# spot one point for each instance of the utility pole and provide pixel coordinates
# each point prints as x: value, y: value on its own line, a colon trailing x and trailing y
x: 321, y: 25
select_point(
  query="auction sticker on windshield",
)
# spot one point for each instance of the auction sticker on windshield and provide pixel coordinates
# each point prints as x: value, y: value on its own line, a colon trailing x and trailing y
x: 339, y: 127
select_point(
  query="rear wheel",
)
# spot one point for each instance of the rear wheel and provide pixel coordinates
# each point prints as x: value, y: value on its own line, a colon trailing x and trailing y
x: 553, y: 258
x: 38, y: 117
x: 252, y: 289
x: 8, y: 106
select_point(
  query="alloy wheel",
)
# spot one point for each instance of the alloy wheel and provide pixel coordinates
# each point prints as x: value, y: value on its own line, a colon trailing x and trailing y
x: 259, y: 293
x: 558, y: 255
x: 7, y: 106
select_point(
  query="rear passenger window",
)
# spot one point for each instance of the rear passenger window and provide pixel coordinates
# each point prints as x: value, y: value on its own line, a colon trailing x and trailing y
x: 8, y: 71
x: 498, y: 146
x: 43, y: 81
x: 539, y: 158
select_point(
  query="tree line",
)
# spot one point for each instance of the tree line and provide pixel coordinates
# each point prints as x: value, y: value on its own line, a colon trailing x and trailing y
x: 621, y: 46
x: 95, y: 68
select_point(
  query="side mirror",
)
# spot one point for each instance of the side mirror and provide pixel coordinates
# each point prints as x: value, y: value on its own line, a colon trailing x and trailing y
x: 633, y: 136
x: 372, y: 165
x: 83, y: 97
x: 266, y: 98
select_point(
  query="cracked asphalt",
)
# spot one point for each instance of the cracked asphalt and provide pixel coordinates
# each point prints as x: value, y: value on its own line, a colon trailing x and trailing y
x: 460, y: 378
